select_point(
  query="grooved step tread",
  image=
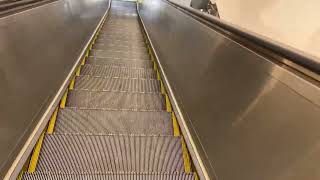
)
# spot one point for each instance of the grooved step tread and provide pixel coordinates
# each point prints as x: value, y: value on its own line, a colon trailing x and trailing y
x: 122, y: 42
x: 117, y: 31
x: 120, y: 54
x: 119, y: 72
x: 86, y: 121
x: 117, y: 84
x: 120, y: 62
x: 109, y: 32
x: 110, y: 176
x: 124, y: 37
x: 123, y: 27
x: 119, y: 46
x: 110, y: 153
x: 115, y: 101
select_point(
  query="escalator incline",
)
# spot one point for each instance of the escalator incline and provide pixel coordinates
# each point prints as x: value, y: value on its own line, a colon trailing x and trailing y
x: 115, y: 124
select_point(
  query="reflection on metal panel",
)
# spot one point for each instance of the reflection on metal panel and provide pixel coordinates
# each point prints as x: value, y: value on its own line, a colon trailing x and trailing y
x: 291, y: 22
x: 182, y: 2
x: 38, y: 48
x: 254, y: 119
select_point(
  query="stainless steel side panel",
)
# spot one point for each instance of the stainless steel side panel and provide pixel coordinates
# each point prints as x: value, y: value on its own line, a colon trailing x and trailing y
x: 38, y: 48
x: 251, y: 118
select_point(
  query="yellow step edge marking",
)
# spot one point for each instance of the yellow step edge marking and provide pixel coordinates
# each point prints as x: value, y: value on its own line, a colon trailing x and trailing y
x: 186, y: 158
x: 71, y: 85
x: 154, y: 66
x: 87, y: 53
x: 52, y: 121
x: 24, y: 168
x: 162, y: 87
x: 196, y: 177
x: 158, y: 75
x: 35, y: 155
x: 176, y: 130
x: 64, y: 100
x: 168, y: 104
x: 83, y: 61
x: 78, y: 71
x: 94, y: 39
x: 152, y: 59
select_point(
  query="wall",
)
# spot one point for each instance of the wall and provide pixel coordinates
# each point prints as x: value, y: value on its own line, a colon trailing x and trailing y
x: 292, y: 22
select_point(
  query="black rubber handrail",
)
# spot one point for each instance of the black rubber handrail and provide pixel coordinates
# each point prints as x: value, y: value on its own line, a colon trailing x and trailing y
x: 309, y: 62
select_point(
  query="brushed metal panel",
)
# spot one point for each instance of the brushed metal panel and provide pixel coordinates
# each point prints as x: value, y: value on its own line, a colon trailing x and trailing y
x: 252, y: 118
x: 38, y: 48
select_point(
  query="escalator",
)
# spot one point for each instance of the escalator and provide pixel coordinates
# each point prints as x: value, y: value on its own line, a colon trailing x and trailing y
x: 113, y: 122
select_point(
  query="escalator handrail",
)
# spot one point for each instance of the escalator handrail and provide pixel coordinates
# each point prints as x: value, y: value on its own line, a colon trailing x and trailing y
x: 296, y: 56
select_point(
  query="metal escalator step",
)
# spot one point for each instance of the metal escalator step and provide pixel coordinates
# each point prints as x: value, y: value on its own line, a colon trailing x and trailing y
x: 121, y: 22
x: 120, y: 62
x: 134, y: 26
x: 119, y: 46
x: 120, y: 14
x: 120, y: 72
x: 110, y: 153
x: 86, y: 121
x: 124, y: 28
x: 117, y: 84
x: 122, y: 38
x: 109, y: 176
x: 115, y: 101
x: 122, y: 42
x: 123, y: 52
x: 117, y: 31
x: 106, y: 32
x: 120, y: 54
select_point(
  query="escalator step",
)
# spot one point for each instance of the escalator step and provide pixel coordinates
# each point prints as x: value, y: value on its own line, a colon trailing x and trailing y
x: 124, y: 27
x: 110, y: 176
x: 115, y: 101
x: 84, y: 121
x: 109, y: 32
x: 124, y: 40
x: 120, y: 62
x: 120, y: 54
x: 117, y: 84
x: 115, y: 31
x: 124, y: 37
x: 74, y: 153
x: 122, y: 43
x: 119, y: 72
x: 114, y: 50
x: 119, y: 47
